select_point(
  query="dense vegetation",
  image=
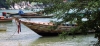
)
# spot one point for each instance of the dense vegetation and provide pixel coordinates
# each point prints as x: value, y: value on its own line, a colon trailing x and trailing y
x: 88, y: 9
x: 3, y: 4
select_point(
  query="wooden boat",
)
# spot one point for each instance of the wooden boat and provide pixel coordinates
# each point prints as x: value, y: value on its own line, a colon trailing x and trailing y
x: 5, y: 19
x: 45, y: 29
x: 36, y: 16
x: 30, y: 15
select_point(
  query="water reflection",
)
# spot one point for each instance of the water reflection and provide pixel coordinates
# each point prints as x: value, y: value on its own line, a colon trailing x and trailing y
x: 80, y: 40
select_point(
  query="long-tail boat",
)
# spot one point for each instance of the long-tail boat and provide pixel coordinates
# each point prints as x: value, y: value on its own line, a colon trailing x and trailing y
x: 6, y: 20
x: 2, y: 19
x: 29, y: 15
x: 46, y: 29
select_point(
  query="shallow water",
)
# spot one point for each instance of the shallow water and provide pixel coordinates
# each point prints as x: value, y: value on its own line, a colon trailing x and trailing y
x: 69, y: 41
x: 27, y: 37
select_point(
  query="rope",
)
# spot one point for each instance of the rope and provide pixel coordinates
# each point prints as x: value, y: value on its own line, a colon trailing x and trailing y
x: 13, y: 33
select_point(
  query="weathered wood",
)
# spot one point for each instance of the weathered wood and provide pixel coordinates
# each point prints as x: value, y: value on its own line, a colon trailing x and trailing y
x: 46, y: 29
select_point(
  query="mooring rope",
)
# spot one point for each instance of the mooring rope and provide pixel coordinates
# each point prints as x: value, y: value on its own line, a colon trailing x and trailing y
x: 13, y: 33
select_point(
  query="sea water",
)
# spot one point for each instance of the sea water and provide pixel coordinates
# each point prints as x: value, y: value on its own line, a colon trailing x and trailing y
x: 27, y: 37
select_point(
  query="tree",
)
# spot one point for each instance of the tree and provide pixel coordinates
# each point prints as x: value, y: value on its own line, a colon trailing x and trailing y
x: 3, y: 4
x: 88, y: 9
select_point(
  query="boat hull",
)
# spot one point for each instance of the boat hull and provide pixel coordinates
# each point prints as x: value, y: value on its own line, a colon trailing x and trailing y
x: 36, y: 16
x: 45, y: 30
x: 6, y: 20
x: 29, y: 15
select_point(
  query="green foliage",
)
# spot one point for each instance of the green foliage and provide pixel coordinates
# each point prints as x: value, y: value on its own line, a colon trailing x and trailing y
x: 63, y: 35
x: 89, y: 9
